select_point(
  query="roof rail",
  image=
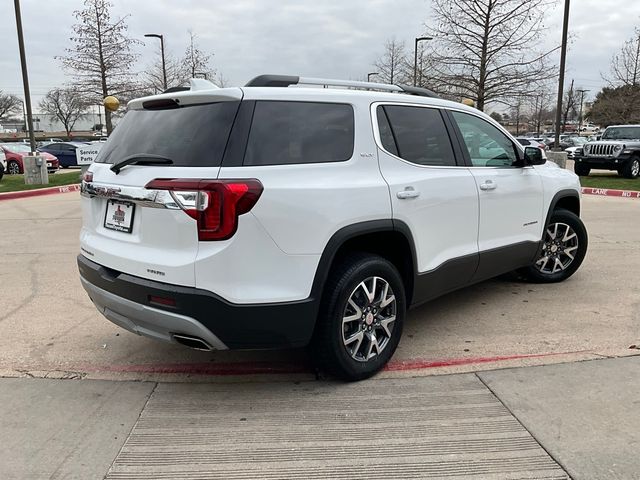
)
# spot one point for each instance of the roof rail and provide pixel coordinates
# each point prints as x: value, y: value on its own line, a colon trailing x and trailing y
x: 288, y: 80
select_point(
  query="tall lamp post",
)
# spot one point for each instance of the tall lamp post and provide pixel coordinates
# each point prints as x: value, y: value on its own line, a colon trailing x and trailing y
x: 369, y: 75
x: 25, y: 76
x: 563, y: 57
x: 582, y: 92
x: 164, y: 68
x: 415, y: 58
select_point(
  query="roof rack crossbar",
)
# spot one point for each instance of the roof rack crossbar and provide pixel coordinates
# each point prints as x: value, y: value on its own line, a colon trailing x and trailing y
x: 349, y: 83
x: 288, y: 80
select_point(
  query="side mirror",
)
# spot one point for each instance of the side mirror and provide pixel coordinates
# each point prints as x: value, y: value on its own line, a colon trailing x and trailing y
x: 533, y: 156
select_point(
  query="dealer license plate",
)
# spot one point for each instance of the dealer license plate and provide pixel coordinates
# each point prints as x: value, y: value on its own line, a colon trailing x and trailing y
x: 119, y: 216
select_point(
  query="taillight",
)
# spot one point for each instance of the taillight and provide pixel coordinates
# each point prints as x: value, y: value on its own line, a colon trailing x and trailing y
x: 214, y: 204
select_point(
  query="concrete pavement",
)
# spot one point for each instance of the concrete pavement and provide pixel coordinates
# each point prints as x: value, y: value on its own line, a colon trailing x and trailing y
x: 49, y: 328
x: 577, y: 420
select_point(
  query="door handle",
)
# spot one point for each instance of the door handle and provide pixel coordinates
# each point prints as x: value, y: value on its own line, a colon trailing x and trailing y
x: 408, y: 192
x: 488, y: 185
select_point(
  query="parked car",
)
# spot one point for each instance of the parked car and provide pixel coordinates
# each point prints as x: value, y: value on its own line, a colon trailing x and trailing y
x: 532, y: 142
x: 15, y: 153
x: 618, y: 149
x: 576, y: 144
x: 284, y: 217
x: 571, y: 141
x: 3, y: 163
x: 64, y: 151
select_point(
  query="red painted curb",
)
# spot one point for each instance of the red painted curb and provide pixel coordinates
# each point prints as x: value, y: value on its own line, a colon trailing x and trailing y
x: 273, y: 368
x: 75, y: 187
x: 607, y: 192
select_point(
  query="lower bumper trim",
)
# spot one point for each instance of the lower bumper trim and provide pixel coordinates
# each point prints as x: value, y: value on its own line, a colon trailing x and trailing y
x: 148, y: 321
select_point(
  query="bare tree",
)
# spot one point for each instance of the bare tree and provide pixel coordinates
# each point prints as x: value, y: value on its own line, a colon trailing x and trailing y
x: 392, y: 64
x: 569, y: 105
x: 100, y: 56
x: 221, y: 80
x: 625, y: 65
x: 195, y: 61
x: 9, y: 104
x: 66, y: 104
x: 154, y: 80
x: 487, y: 49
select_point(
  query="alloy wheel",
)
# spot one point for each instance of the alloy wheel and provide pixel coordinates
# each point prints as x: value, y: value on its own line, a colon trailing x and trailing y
x: 368, y: 319
x: 13, y: 168
x: 635, y: 168
x: 559, y: 249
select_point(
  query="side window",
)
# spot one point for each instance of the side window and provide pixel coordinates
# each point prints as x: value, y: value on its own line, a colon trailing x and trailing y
x: 54, y: 147
x: 420, y: 135
x: 386, y: 135
x: 284, y: 133
x: 487, y: 146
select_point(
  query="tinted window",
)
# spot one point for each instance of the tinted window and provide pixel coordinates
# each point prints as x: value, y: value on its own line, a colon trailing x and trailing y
x: 420, y: 134
x: 53, y: 146
x: 386, y: 136
x: 487, y: 146
x: 192, y: 136
x: 300, y: 132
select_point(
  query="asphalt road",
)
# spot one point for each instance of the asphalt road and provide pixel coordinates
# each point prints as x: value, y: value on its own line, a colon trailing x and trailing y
x: 49, y: 328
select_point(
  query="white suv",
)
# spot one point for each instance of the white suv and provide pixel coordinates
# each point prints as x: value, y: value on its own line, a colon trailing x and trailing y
x: 283, y: 214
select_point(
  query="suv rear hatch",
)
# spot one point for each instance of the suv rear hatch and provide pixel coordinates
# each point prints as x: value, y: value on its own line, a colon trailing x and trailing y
x: 141, y: 228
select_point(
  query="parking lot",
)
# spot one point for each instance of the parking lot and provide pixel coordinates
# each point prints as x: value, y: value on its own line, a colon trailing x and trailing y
x: 245, y: 415
x: 49, y: 328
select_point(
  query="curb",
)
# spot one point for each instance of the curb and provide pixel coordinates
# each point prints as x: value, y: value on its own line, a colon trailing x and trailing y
x: 606, y: 192
x: 40, y: 191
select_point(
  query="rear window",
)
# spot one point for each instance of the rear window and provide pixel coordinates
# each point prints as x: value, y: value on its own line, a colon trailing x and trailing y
x: 300, y: 132
x: 191, y: 136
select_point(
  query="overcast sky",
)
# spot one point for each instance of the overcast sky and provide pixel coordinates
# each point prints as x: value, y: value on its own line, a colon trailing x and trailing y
x: 328, y: 38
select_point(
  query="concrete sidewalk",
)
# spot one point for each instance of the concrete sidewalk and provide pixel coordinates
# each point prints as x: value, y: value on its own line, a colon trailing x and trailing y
x: 579, y: 419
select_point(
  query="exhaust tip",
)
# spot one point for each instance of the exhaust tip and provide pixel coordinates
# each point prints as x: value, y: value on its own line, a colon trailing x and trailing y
x: 192, y: 342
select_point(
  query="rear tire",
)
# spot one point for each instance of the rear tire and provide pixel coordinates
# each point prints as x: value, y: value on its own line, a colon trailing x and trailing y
x: 632, y: 168
x: 581, y: 170
x: 361, y: 317
x: 565, y: 246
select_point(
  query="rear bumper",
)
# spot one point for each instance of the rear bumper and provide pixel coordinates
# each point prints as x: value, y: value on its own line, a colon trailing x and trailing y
x: 125, y: 300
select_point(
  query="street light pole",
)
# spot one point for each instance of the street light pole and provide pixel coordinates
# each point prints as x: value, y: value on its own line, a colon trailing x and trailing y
x: 415, y: 58
x: 582, y: 92
x: 369, y: 75
x: 164, y: 68
x: 563, y: 57
x: 25, y: 76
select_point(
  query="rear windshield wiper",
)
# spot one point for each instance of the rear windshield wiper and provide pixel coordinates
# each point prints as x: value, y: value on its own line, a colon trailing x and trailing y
x: 141, y: 159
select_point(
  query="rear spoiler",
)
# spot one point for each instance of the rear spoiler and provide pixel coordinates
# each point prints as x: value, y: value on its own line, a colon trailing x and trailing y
x: 199, y: 91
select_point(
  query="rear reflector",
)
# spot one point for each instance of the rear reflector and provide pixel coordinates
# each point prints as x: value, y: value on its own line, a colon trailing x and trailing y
x: 168, y: 302
x: 214, y: 204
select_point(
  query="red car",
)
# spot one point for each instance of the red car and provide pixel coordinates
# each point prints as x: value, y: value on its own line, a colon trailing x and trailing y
x: 16, y: 151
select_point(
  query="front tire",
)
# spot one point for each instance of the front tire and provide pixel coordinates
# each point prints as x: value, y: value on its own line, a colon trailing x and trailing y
x: 564, y: 248
x: 361, y: 317
x: 632, y: 168
x: 581, y: 170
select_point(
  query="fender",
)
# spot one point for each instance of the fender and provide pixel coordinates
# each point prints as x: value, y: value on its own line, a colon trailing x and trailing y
x: 566, y: 193
x: 343, y: 235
